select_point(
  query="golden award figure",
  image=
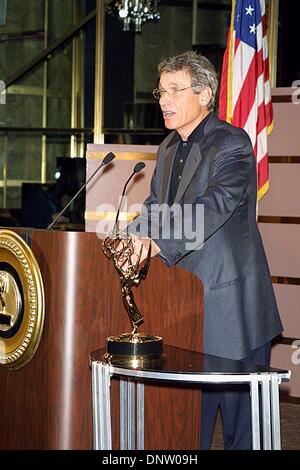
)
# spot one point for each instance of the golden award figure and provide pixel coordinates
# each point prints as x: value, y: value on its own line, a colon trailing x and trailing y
x: 134, y: 347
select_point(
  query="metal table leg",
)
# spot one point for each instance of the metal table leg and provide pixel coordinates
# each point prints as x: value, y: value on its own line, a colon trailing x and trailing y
x: 131, y: 414
x: 123, y: 415
x: 140, y: 416
x: 275, y: 411
x: 255, y: 412
x: 266, y: 416
x: 131, y: 420
x: 101, y: 406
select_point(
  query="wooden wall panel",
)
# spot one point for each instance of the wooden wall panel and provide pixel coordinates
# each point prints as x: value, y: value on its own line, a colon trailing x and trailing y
x: 282, y: 245
x: 284, y: 140
x: 288, y: 301
x: 283, y: 198
x: 279, y: 225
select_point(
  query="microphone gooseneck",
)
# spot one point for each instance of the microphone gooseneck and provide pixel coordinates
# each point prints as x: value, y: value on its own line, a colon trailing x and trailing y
x: 107, y: 159
x: 137, y: 168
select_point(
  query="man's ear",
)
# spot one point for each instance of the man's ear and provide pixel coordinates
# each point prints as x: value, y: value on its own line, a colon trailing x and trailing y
x: 205, y: 96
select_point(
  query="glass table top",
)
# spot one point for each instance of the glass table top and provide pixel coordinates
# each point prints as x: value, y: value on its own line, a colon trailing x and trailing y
x: 178, y: 360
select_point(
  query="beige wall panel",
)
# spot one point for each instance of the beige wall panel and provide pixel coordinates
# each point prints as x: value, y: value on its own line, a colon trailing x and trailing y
x: 283, y: 197
x: 104, y: 194
x: 282, y: 91
x: 288, y: 301
x: 285, y: 356
x: 107, y: 188
x: 284, y: 140
x: 282, y: 245
x: 104, y: 191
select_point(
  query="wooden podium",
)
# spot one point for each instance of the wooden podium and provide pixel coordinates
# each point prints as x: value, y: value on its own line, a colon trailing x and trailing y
x: 47, y: 404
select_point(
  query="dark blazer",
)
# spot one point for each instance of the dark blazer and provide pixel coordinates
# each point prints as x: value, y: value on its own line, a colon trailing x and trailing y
x: 240, y: 312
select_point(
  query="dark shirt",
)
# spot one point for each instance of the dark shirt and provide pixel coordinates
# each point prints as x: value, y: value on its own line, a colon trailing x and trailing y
x: 183, y: 149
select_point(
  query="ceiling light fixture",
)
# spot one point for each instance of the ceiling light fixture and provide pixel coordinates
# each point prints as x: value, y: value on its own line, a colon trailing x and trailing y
x: 133, y: 13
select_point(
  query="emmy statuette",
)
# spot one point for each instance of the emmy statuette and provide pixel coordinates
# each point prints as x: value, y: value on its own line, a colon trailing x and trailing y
x: 132, y: 348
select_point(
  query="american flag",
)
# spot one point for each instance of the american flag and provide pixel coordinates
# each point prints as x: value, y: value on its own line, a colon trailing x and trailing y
x: 245, y: 94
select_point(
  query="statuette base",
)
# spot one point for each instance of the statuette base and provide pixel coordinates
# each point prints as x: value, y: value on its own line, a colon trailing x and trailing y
x: 134, y: 349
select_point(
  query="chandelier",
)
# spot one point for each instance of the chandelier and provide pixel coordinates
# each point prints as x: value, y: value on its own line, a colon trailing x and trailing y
x: 133, y: 13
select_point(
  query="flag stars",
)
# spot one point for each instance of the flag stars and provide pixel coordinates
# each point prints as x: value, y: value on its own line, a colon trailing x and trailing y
x: 249, y: 10
x: 253, y: 28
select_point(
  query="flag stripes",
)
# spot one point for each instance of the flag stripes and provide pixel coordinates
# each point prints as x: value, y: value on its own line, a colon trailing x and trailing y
x: 245, y: 94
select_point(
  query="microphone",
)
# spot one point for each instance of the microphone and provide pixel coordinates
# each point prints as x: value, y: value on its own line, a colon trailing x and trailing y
x: 137, y: 168
x: 107, y: 159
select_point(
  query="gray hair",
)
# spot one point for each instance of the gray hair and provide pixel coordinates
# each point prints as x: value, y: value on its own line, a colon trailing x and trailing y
x: 202, y: 72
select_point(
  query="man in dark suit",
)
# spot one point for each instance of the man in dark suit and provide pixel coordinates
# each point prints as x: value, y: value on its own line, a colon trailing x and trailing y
x: 207, y: 163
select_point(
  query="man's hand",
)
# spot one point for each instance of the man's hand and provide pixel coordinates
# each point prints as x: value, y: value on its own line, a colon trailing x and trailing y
x: 140, y: 250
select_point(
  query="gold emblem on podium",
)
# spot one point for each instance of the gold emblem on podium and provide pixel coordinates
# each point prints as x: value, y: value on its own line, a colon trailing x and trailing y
x: 22, y: 302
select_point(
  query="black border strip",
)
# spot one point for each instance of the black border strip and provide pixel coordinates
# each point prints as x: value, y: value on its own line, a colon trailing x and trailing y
x: 278, y: 219
x: 287, y: 340
x: 284, y: 159
x: 282, y: 98
x: 295, y: 281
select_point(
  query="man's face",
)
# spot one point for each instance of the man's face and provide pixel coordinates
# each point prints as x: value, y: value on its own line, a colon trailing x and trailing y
x: 185, y: 110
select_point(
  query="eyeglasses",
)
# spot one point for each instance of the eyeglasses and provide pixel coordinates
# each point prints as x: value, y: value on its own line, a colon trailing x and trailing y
x: 173, y: 91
